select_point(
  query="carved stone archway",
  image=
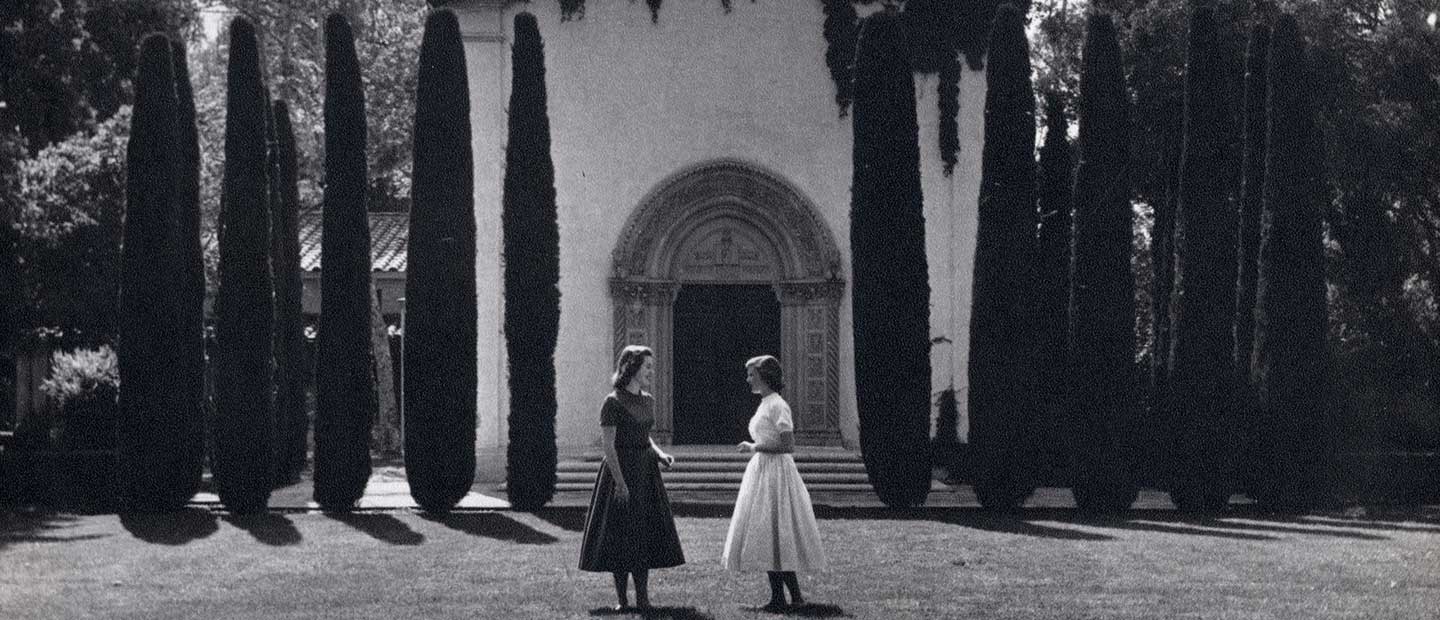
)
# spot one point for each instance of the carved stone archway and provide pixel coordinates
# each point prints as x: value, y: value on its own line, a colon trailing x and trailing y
x: 732, y: 222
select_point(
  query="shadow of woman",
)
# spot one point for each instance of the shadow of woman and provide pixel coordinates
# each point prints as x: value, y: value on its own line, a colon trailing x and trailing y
x: 492, y: 525
x: 655, y: 613
x: 267, y: 527
x: 170, y: 528
x: 382, y: 527
x: 805, y: 610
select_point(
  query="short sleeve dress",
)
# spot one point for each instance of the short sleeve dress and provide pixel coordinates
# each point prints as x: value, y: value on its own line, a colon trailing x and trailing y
x: 641, y: 535
x: 773, y: 527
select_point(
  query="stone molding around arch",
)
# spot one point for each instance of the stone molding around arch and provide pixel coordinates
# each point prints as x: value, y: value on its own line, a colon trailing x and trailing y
x: 732, y: 222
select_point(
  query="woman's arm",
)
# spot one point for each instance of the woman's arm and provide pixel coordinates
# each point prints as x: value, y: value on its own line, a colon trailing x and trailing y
x: 785, y: 445
x: 665, y: 459
x: 612, y: 460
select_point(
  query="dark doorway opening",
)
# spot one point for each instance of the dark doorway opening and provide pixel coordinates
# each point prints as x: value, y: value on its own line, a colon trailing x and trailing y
x: 718, y: 327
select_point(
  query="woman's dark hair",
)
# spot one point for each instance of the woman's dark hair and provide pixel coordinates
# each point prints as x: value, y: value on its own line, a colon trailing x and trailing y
x: 769, y: 370
x: 629, y: 363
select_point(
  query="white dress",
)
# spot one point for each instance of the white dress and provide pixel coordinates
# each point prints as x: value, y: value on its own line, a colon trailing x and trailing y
x: 773, y: 528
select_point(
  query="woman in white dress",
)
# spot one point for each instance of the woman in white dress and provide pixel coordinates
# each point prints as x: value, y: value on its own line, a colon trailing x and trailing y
x: 773, y: 528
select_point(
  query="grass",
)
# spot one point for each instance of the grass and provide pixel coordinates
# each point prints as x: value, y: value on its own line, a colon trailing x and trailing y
x: 953, y: 563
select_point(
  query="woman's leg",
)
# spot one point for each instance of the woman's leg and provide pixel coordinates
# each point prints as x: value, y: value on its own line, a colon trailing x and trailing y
x: 642, y: 588
x: 777, y: 590
x: 793, y: 583
x: 620, y: 589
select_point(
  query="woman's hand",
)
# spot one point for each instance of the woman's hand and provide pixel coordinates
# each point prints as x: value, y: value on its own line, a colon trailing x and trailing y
x: 622, y: 495
x: 666, y: 460
x: 745, y: 446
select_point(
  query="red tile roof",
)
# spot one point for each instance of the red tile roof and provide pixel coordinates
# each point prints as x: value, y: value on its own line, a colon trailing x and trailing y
x: 389, y: 233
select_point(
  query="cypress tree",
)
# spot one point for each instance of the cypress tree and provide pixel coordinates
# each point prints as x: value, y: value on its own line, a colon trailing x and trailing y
x: 191, y: 286
x: 1251, y: 194
x: 532, y: 275
x: 344, y: 394
x: 292, y: 422
x: 1052, y: 299
x: 244, y: 316
x: 1102, y: 287
x: 1200, y: 426
x: 440, y: 337
x: 891, y: 294
x: 1001, y: 398
x: 1290, y: 320
x: 152, y: 416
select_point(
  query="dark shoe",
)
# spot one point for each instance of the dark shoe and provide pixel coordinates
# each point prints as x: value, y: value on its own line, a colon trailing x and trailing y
x: 643, y: 605
x: 774, y: 607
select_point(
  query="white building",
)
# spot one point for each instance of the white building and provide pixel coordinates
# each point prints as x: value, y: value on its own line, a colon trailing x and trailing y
x: 703, y: 183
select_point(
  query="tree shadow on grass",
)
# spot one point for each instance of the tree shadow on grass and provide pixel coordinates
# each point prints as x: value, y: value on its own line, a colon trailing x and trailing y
x: 492, y: 525
x: 1163, y: 527
x: 566, y: 519
x: 1389, y: 525
x: 1281, y: 529
x: 382, y: 527
x: 170, y: 528
x: 1019, y: 522
x: 655, y: 613
x: 36, y: 527
x: 267, y: 527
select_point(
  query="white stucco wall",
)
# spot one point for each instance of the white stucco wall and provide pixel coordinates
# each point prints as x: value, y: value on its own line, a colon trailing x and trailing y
x: 630, y: 104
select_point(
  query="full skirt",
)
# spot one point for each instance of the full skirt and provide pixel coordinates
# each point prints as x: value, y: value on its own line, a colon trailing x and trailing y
x: 773, y: 527
x: 638, y: 536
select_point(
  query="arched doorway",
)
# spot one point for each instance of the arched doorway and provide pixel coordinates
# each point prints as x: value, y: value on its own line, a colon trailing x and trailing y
x: 720, y: 262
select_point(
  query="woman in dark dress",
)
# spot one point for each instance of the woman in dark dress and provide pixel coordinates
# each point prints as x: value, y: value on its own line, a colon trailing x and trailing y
x: 630, y: 528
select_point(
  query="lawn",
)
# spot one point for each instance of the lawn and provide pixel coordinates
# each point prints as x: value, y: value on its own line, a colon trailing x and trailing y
x: 951, y: 563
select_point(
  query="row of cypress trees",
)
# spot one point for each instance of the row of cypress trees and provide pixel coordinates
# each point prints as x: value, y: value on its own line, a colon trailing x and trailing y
x: 1241, y: 393
x: 258, y: 322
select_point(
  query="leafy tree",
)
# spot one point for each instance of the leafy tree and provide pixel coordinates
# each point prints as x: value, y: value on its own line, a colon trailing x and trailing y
x: 532, y: 275
x: 440, y: 337
x: 1001, y: 371
x: 344, y: 390
x: 890, y: 293
x: 244, y: 316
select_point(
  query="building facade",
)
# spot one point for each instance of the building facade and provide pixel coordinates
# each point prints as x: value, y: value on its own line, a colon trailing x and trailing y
x: 703, y: 175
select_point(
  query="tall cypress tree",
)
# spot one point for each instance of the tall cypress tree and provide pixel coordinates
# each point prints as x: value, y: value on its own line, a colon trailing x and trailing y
x: 292, y: 422
x: 244, y: 318
x: 440, y: 337
x: 1251, y: 194
x: 1052, y: 298
x: 1202, y: 437
x: 1002, y: 385
x: 191, y: 316
x: 532, y: 275
x: 1102, y: 288
x: 1290, y: 355
x: 344, y: 395
x: 891, y: 294
x: 154, y: 450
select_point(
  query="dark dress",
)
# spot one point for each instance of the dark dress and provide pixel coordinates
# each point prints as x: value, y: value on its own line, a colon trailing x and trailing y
x: 641, y: 535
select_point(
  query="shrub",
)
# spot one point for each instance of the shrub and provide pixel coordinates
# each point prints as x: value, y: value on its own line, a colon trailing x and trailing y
x: 84, y: 384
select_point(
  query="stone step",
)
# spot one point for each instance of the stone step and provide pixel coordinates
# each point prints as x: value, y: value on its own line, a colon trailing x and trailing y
x: 810, y: 455
x: 591, y: 467
x: 724, y: 477
x: 731, y: 488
